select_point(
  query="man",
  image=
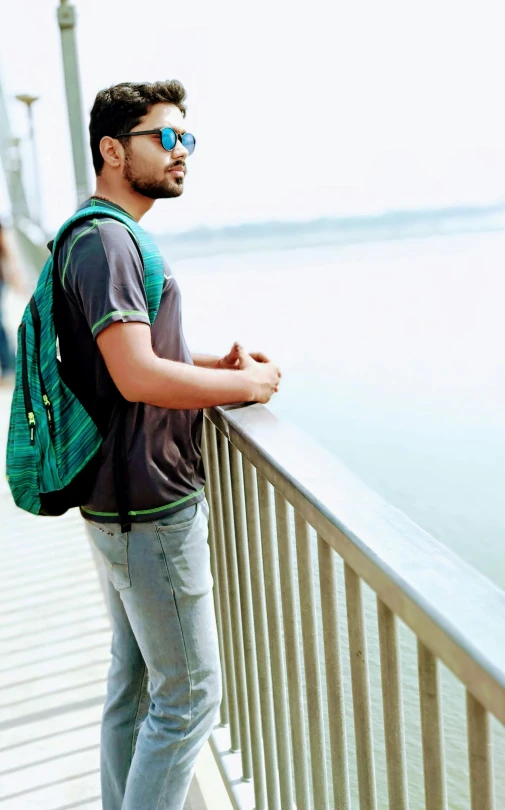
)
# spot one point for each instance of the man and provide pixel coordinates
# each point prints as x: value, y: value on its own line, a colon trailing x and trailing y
x: 164, y: 686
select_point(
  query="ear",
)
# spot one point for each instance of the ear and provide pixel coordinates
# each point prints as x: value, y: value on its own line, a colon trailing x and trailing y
x: 112, y: 152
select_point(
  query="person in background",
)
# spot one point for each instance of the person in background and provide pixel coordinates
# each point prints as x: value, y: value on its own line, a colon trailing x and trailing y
x: 8, y: 275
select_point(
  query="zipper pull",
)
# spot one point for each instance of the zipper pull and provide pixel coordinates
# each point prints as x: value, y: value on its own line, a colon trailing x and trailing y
x: 49, y: 411
x: 31, y: 422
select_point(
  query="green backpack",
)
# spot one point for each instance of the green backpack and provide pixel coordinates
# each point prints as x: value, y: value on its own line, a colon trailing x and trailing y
x: 53, y: 447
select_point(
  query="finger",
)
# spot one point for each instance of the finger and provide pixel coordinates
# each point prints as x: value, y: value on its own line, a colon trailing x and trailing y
x: 233, y: 353
x: 260, y: 357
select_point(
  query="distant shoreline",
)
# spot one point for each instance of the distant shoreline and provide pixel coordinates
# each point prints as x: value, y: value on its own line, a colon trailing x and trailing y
x: 338, y: 231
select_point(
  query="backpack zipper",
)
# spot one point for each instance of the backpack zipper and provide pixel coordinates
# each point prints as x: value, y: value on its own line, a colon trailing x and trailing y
x: 26, y: 388
x: 49, y: 411
x: 45, y: 399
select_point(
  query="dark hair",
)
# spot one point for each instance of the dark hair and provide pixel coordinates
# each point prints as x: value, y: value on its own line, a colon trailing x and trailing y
x: 121, y: 107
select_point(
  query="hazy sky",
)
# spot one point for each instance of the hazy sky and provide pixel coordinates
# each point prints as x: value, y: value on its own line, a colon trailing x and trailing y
x: 299, y: 109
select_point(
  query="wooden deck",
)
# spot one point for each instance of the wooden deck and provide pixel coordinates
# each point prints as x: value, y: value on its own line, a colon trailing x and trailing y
x: 54, y: 644
x: 54, y: 640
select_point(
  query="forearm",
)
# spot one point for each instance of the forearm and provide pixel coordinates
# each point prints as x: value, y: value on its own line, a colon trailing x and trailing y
x: 168, y: 384
x: 205, y: 360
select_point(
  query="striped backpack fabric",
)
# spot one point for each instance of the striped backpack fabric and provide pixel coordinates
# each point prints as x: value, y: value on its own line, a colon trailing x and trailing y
x: 53, y: 446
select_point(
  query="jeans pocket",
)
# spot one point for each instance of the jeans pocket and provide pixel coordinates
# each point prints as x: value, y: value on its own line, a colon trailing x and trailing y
x: 113, y: 549
x: 187, y: 556
x: 178, y: 521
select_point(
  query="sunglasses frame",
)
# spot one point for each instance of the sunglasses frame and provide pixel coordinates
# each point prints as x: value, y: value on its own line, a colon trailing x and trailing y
x: 159, y: 132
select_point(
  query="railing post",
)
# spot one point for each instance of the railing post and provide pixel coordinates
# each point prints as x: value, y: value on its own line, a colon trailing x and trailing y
x: 261, y: 632
x: 293, y: 657
x: 360, y: 690
x: 223, y: 587
x: 234, y: 597
x: 334, y: 680
x: 311, y: 659
x: 432, y: 730
x: 274, y: 615
x: 480, y: 755
x: 246, y: 603
x: 207, y: 427
x: 393, y: 708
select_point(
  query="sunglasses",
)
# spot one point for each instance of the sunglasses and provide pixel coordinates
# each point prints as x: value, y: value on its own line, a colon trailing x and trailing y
x: 168, y: 136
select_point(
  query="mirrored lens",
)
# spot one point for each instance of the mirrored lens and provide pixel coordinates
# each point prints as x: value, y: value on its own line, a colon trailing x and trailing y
x: 168, y: 139
x: 188, y: 141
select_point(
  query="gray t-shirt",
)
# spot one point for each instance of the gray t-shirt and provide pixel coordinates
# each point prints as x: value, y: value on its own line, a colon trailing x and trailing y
x: 102, y: 279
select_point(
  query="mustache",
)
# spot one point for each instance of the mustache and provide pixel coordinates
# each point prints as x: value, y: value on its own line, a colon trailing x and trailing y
x: 178, y: 164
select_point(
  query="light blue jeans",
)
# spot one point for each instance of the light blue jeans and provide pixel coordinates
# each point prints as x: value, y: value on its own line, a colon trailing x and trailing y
x: 164, y: 685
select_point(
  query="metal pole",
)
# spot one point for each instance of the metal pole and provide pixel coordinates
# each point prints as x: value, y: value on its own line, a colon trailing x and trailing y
x: 66, y: 21
x: 13, y: 173
x: 10, y: 159
x: 36, y: 173
x: 36, y: 207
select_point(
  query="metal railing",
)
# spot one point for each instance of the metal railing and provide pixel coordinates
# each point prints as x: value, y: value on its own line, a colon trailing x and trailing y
x: 339, y: 620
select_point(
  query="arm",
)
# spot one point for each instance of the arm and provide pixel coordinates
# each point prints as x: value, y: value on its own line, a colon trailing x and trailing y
x: 141, y: 376
x: 205, y: 360
x: 106, y: 276
x: 229, y: 361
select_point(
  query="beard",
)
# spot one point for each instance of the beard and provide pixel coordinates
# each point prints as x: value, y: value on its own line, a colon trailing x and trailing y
x: 152, y: 187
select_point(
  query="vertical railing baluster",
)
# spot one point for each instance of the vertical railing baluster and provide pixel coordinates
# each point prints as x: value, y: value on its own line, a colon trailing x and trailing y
x: 334, y: 683
x: 274, y: 617
x: 293, y: 657
x: 231, y: 689
x: 233, y: 590
x: 479, y: 754
x: 360, y: 690
x: 392, y: 708
x: 246, y: 602
x: 261, y: 635
x: 311, y: 659
x: 432, y: 730
x: 224, y: 717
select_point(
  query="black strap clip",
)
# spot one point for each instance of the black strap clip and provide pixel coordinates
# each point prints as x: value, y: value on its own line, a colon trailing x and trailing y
x: 120, y: 467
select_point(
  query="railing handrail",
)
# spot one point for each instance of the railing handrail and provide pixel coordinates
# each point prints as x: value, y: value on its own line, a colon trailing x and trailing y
x: 456, y: 612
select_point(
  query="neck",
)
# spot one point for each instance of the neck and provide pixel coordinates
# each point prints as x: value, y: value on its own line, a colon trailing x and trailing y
x: 133, y: 203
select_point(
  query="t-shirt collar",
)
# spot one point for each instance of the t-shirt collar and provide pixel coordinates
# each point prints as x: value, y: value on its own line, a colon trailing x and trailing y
x: 98, y: 201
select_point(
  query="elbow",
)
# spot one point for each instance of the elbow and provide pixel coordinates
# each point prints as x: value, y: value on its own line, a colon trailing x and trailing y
x: 133, y: 392
x: 130, y: 395
x: 139, y: 384
x: 132, y: 389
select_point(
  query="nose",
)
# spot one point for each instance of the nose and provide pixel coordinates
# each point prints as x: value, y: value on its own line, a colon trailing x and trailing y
x: 179, y: 151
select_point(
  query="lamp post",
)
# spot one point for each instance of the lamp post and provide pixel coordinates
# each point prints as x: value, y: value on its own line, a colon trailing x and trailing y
x: 29, y: 101
x: 66, y: 21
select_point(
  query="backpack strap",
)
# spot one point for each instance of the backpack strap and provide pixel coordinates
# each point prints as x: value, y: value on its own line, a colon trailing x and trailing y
x: 120, y: 471
x: 148, y: 251
x: 153, y: 284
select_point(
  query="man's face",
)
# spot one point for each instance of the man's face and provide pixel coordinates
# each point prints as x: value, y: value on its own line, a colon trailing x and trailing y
x: 150, y: 169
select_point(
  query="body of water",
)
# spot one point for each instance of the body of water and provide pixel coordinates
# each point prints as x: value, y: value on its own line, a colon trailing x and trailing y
x: 393, y: 356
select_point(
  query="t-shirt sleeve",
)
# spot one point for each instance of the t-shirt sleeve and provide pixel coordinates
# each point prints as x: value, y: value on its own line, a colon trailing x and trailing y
x: 103, y: 272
